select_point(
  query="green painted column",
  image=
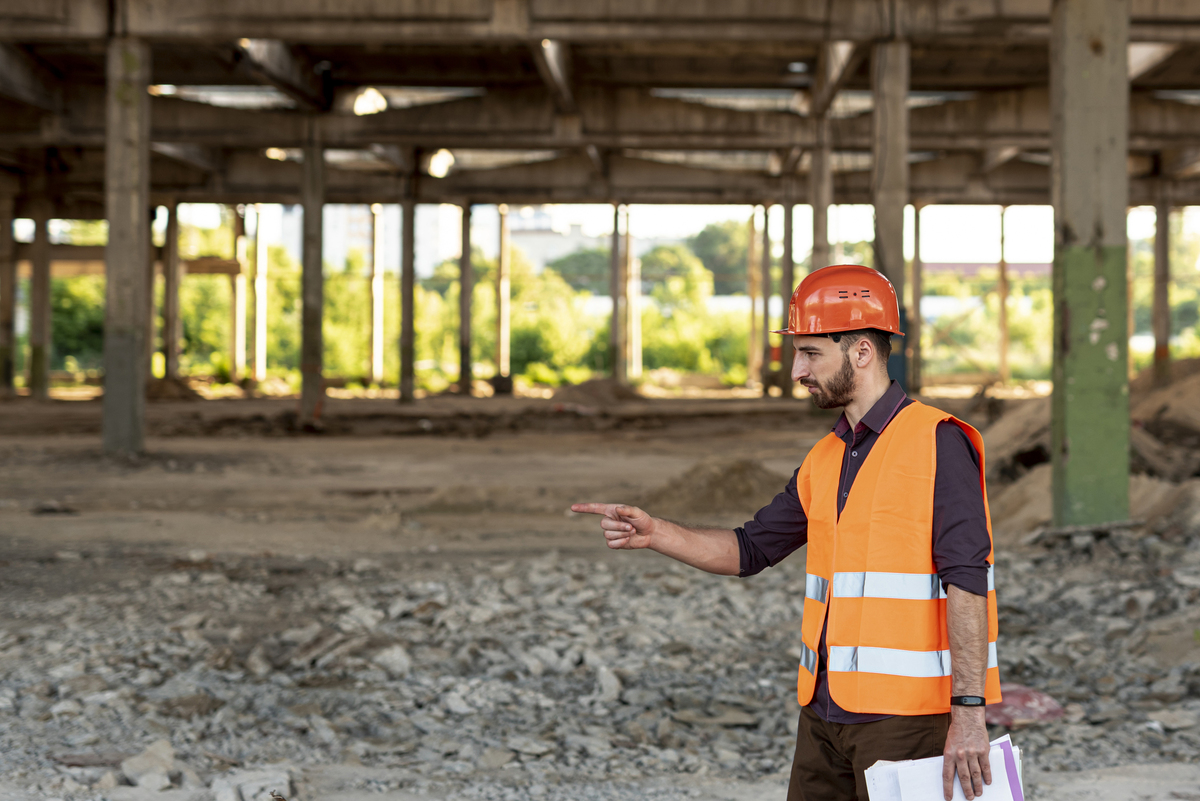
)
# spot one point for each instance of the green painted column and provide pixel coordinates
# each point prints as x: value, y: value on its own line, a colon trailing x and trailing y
x: 1089, y: 95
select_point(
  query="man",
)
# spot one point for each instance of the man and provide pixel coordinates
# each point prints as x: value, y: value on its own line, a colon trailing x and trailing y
x: 899, y: 624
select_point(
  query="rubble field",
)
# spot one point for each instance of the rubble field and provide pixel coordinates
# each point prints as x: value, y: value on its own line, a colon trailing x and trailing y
x: 421, y: 618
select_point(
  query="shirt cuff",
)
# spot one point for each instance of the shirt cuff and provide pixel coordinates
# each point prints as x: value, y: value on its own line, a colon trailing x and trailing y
x: 967, y: 578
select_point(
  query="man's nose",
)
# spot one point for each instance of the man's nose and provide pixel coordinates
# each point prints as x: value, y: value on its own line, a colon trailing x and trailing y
x: 799, y: 368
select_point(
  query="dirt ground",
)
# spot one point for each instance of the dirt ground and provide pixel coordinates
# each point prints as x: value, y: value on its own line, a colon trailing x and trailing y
x: 443, y: 482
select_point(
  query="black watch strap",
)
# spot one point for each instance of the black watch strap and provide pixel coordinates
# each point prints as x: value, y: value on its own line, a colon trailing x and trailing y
x: 968, y: 700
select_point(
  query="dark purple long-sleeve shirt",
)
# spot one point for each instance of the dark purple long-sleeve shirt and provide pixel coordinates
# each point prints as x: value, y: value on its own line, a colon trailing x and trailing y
x: 960, y: 537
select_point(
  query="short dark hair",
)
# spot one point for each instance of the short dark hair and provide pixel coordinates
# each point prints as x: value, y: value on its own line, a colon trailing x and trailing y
x: 882, y: 340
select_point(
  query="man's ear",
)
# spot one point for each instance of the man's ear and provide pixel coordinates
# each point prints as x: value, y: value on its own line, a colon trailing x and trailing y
x: 863, y: 350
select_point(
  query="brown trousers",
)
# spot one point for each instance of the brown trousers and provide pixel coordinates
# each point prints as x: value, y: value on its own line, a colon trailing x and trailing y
x: 832, y: 757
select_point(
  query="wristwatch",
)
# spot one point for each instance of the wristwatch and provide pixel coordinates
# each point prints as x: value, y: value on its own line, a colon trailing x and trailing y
x: 968, y: 700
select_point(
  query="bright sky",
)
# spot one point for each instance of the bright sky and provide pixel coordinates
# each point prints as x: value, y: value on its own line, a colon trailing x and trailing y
x: 951, y: 233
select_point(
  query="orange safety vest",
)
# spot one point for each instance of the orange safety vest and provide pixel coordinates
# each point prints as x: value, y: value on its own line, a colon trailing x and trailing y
x: 872, y: 572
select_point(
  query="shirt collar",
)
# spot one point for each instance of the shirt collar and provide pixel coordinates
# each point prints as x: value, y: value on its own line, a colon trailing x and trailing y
x: 879, y: 415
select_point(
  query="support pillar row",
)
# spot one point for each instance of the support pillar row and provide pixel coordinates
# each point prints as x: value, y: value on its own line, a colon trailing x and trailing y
x: 312, y: 286
x: 39, y: 303
x: 172, y: 284
x: 127, y: 255
x: 503, y: 380
x: 466, y: 289
x: 787, y: 287
x: 889, y: 177
x: 820, y: 193
x: 618, y: 283
x: 1161, y: 314
x: 8, y: 297
x: 407, y: 280
x: 1089, y: 93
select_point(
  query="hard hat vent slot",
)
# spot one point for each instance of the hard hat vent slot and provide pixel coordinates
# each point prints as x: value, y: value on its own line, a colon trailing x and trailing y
x: 843, y: 293
x: 866, y: 294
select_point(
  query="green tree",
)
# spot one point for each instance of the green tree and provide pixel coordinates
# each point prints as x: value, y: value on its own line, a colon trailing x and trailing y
x: 585, y: 269
x: 77, y: 306
x: 722, y: 248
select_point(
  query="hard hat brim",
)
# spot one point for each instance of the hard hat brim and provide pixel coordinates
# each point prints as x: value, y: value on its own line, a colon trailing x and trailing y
x: 827, y: 333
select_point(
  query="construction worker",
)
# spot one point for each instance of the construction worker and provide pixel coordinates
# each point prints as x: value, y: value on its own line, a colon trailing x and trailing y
x: 899, y: 628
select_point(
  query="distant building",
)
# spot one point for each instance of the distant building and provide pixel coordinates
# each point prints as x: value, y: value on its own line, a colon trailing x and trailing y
x: 533, y: 232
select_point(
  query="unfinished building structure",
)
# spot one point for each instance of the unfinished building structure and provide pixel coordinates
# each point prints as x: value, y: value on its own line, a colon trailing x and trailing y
x: 108, y: 111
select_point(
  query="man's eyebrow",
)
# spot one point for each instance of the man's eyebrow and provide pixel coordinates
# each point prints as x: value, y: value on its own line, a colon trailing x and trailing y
x: 808, y: 349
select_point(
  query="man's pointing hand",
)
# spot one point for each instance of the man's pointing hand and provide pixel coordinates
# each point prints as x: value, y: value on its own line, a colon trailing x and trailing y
x: 625, y: 527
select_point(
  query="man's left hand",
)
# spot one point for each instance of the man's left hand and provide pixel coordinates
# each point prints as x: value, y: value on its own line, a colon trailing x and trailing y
x: 966, y: 753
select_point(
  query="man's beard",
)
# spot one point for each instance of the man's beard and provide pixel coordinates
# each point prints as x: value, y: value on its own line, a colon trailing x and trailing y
x: 838, y: 391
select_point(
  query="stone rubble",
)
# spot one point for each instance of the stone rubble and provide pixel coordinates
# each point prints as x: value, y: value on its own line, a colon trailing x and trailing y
x: 223, y: 678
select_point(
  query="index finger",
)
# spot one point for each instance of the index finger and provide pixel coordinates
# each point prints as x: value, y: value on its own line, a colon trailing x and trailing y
x: 590, y: 508
x: 948, y: 770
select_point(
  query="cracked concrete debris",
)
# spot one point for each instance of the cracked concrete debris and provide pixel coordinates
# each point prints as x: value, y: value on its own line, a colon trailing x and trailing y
x: 479, y: 678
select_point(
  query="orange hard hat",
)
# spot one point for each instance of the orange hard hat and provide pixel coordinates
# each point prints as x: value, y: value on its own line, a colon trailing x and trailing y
x: 843, y: 297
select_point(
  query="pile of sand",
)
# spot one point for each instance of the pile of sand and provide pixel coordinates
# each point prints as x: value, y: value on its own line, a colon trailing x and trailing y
x: 1172, y: 413
x: 1018, y: 441
x: 716, y: 487
x: 1026, y: 505
x: 596, y: 392
x: 1144, y: 382
x: 170, y: 389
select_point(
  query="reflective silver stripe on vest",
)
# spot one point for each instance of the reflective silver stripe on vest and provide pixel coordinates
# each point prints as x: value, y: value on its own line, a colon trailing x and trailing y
x: 901, y: 586
x: 808, y: 659
x: 896, y: 662
x: 816, y: 587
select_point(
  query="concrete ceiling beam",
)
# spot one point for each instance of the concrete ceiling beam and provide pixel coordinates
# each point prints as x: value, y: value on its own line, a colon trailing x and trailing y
x: 838, y: 60
x: 202, y: 158
x: 994, y: 157
x: 553, y: 59
x: 24, y: 80
x: 275, y: 63
x: 1146, y: 56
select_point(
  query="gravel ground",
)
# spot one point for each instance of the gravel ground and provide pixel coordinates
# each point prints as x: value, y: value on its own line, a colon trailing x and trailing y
x: 211, y: 677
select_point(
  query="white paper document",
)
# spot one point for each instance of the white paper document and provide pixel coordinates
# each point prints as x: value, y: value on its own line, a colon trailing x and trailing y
x: 921, y: 779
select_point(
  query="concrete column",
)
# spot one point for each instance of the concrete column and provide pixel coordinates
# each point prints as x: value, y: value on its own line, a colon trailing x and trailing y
x: 8, y: 297
x: 260, y: 296
x: 1089, y: 96
x: 312, y: 286
x: 787, y: 286
x: 466, y: 288
x: 376, y: 372
x: 889, y: 175
x: 1002, y: 291
x: 237, y: 301
x: 503, y: 307
x: 754, y: 364
x: 407, y: 287
x: 39, y: 303
x: 1161, y: 314
x: 127, y: 201
x: 913, y: 339
x: 617, y: 285
x: 767, y: 291
x: 633, y: 302
x: 151, y: 301
x: 820, y: 193
x: 1130, y: 303
x: 172, y: 283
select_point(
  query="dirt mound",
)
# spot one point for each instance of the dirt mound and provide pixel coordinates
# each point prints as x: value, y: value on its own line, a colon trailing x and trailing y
x: 1144, y: 382
x: 170, y: 389
x: 1172, y: 413
x: 596, y: 392
x: 1018, y: 441
x: 1026, y: 505
x: 716, y: 486
x: 1164, y: 440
